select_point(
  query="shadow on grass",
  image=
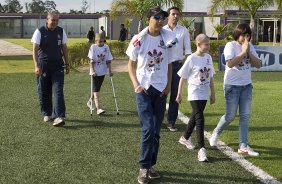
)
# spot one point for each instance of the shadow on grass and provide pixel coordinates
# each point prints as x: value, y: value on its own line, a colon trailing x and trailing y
x: 251, y: 129
x: 181, y: 177
x: 92, y: 124
x: 20, y: 57
x: 273, y: 151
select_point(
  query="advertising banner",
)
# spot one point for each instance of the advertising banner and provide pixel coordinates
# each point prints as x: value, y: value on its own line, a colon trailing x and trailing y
x: 270, y: 56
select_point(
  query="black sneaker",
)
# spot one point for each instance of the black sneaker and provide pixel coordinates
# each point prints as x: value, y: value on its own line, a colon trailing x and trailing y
x: 143, y: 177
x: 153, y: 174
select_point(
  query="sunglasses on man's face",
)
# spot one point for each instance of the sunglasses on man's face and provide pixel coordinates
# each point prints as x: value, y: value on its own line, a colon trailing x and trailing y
x: 158, y: 17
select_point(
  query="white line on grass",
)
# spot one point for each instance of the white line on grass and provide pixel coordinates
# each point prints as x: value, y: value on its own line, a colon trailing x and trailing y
x: 256, y: 171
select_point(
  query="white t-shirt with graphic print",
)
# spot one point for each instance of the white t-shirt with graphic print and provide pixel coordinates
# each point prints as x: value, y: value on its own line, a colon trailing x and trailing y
x: 198, y: 71
x: 152, y: 59
x: 100, y: 56
x: 240, y: 74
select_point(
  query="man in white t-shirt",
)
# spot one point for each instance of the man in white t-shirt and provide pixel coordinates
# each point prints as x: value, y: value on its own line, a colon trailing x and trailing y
x: 150, y: 51
x: 50, y: 57
x: 183, y: 46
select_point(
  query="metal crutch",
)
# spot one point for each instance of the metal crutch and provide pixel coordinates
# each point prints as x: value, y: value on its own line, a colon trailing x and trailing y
x: 114, y: 93
x: 91, y: 95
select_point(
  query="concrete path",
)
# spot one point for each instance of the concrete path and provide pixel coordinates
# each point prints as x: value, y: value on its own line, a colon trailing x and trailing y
x: 10, y: 49
x: 117, y: 66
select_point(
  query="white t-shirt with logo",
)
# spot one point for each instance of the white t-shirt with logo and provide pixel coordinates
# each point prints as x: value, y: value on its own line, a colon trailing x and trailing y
x: 183, y: 42
x: 152, y: 58
x: 198, y: 70
x: 101, y: 56
x: 240, y: 74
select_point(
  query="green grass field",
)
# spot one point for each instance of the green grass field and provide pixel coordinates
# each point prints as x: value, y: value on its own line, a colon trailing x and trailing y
x: 105, y: 149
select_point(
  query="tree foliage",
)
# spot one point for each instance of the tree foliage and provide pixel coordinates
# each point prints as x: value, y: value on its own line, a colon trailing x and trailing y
x: 251, y: 6
x: 139, y: 8
x: 11, y: 6
x: 38, y: 6
x: 84, y: 6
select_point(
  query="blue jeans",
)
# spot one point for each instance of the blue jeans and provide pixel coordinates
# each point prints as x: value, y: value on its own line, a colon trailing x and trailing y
x: 237, y: 96
x: 173, y: 105
x: 51, y: 80
x: 151, y: 109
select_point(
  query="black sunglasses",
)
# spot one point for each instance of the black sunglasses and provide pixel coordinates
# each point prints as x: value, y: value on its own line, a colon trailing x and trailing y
x: 158, y: 17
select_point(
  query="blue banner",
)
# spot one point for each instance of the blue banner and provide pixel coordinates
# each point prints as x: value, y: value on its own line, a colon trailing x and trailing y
x: 270, y: 56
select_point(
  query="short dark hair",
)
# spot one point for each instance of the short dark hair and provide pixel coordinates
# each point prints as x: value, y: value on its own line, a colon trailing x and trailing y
x: 241, y: 29
x: 173, y: 8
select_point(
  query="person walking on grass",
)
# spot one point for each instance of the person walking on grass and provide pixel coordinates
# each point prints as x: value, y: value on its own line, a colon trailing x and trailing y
x: 100, y: 64
x: 198, y: 71
x: 239, y: 55
x: 183, y: 46
x: 150, y: 50
x: 49, y: 49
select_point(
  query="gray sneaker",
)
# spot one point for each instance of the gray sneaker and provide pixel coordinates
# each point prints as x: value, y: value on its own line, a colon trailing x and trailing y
x: 143, y: 177
x: 172, y: 128
x: 153, y: 174
x: 47, y: 118
x: 59, y: 122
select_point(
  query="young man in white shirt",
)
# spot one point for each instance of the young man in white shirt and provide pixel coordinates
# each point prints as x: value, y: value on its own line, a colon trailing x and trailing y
x: 183, y: 46
x: 150, y: 51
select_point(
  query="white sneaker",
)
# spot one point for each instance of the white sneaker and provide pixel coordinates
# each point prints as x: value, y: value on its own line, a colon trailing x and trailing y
x: 89, y: 104
x: 188, y: 143
x: 247, y: 151
x: 47, y: 118
x: 100, y: 111
x: 202, y: 155
x: 213, y: 139
x: 59, y: 122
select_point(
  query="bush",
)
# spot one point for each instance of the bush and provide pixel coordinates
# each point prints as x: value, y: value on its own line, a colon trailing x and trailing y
x: 214, y: 46
x: 78, y: 53
x: 118, y: 48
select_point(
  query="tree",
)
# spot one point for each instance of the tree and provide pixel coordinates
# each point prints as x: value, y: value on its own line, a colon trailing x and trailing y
x: 127, y: 23
x: 12, y: 6
x: 1, y: 9
x: 219, y: 29
x: 50, y: 6
x: 251, y: 6
x: 84, y: 6
x: 73, y: 11
x: 38, y: 6
x: 139, y: 8
x: 189, y: 24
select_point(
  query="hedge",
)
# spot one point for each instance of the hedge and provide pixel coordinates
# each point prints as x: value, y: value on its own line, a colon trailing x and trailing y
x: 78, y: 52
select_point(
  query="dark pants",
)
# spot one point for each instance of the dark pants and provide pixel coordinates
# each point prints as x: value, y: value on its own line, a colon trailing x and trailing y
x: 97, y: 82
x: 173, y: 105
x: 151, y: 109
x: 197, y: 119
x: 51, y: 80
